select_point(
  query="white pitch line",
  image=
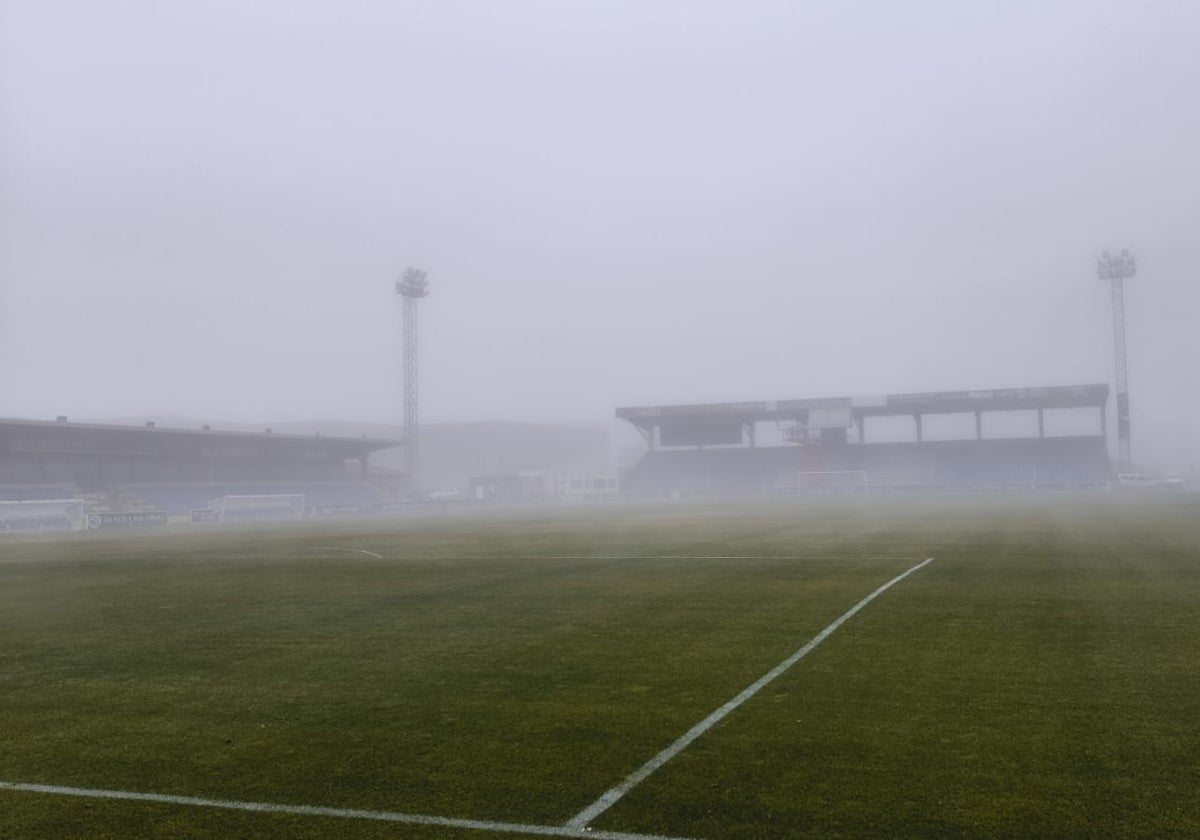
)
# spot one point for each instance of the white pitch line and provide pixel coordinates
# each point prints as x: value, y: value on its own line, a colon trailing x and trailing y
x: 354, y: 550
x: 705, y: 557
x: 347, y: 813
x: 581, y: 820
x: 474, y: 558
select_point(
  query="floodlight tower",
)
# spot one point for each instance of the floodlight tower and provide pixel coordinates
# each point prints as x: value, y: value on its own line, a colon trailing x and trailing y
x: 1117, y: 269
x: 411, y: 287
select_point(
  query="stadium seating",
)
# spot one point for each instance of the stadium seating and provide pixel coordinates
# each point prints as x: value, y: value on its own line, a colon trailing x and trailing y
x: 1006, y: 463
x: 1026, y: 462
x: 706, y: 471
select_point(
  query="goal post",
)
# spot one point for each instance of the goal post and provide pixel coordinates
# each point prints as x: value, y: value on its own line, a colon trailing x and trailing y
x: 41, y: 515
x: 259, y: 508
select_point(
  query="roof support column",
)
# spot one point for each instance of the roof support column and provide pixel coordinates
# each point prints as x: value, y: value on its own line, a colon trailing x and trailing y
x: 978, y: 425
x: 920, y: 431
x: 1041, y: 423
x: 648, y: 434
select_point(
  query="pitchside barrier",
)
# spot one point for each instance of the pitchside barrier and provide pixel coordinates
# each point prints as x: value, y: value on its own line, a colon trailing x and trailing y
x: 827, y: 481
x: 40, y: 515
x: 131, y: 519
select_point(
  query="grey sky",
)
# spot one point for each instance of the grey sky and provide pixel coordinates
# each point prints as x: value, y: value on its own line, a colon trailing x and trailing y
x: 204, y: 204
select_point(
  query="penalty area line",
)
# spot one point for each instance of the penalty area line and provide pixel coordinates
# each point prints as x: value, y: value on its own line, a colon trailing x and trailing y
x: 610, y: 798
x: 345, y: 813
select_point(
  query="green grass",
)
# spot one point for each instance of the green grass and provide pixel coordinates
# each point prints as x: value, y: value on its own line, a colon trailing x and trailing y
x: 1038, y: 679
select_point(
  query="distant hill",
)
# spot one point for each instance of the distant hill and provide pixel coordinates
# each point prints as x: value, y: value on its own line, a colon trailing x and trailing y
x: 451, y: 452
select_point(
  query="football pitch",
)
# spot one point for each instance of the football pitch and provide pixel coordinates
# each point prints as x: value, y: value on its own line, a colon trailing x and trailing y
x: 671, y: 670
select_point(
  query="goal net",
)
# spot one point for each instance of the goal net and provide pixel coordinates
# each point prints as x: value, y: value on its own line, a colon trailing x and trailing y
x: 826, y: 481
x: 37, y: 515
x: 268, y: 508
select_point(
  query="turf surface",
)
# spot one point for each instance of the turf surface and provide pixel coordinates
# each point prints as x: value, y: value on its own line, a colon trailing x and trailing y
x: 1038, y: 679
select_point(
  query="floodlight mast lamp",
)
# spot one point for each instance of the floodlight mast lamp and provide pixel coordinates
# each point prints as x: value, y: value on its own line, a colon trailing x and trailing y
x: 1117, y: 270
x: 411, y: 287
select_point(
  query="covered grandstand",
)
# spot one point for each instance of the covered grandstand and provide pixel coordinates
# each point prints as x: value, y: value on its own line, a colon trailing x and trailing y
x: 829, y: 444
x: 180, y: 471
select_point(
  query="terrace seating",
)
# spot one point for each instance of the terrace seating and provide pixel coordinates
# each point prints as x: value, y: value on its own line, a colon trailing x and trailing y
x: 747, y: 469
x: 1017, y: 463
x: 899, y: 466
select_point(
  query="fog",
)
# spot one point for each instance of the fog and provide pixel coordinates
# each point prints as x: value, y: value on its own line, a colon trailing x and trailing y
x: 203, y: 206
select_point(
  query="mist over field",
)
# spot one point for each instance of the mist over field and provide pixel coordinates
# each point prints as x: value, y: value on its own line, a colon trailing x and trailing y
x: 773, y: 477
x: 203, y: 206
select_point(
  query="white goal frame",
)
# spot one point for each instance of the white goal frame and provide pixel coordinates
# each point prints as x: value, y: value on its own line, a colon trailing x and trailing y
x: 275, y: 507
x: 42, y: 515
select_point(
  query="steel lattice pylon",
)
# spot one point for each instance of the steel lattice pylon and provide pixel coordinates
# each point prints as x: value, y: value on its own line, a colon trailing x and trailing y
x: 1117, y: 269
x: 412, y: 287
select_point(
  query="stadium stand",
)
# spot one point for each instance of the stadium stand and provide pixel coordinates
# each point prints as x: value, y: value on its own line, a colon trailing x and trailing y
x: 118, y: 469
x: 710, y: 460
